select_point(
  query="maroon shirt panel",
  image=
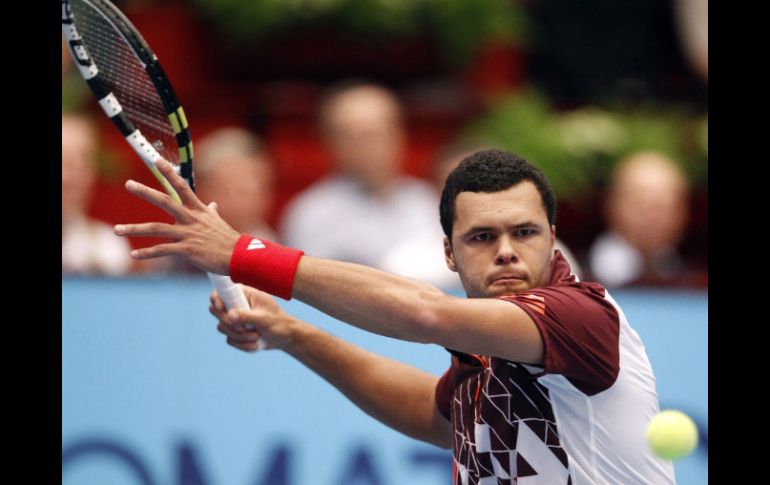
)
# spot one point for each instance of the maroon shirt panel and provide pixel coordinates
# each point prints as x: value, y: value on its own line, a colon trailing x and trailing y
x: 579, y: 327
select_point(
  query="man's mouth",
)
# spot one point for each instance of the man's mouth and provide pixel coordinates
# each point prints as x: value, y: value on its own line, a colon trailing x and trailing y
x: 508, y: 278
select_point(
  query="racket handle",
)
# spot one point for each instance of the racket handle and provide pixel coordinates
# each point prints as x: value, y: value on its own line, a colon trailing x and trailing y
x: 232, y: 295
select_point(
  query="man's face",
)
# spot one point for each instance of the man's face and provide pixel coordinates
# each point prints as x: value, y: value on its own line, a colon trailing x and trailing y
x: 501, y: 241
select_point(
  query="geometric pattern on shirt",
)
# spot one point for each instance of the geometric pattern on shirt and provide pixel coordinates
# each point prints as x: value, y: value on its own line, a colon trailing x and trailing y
x: 506, y: 433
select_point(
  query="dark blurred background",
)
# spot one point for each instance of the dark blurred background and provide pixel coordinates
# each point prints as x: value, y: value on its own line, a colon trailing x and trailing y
x: 572, y: 86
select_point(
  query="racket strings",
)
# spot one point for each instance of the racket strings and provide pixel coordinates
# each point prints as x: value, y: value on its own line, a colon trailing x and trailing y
x: 124, y: 74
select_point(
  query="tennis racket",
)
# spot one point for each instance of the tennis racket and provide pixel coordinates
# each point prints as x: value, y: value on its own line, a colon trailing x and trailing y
x: 135, y: 93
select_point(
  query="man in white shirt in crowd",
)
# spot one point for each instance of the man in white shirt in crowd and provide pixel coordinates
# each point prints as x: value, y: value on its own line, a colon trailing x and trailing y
x: 366, y: 204
x: 88, y: 245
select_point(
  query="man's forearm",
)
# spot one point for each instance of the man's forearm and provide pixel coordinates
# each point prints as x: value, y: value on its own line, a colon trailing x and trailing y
x: 370, y: 299
x: 398, y: 395
x: 407, y: 309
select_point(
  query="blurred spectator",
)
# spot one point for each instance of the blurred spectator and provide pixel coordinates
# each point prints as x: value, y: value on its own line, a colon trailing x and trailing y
x: 233, y: 169
x: 693, y: 21
x: 88, y: 245
x: 418, y: 257
x: 422, y: 257
x: 646, y: 212
x: 366, y: 205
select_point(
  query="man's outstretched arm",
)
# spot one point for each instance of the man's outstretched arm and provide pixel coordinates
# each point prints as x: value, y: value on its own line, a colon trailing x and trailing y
x: 398, y: 395
x: 370, y: 299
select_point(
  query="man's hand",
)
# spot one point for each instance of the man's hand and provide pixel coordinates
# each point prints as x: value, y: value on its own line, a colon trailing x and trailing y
x: 199, y: 235
x: 243, y: 328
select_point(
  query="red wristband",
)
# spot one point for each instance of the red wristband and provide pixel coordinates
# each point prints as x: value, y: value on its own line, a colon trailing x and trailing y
x: 264, y: 265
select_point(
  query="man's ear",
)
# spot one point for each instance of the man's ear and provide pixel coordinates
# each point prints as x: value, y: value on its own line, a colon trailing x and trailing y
x: 449, y: 256
x: 553, y: 237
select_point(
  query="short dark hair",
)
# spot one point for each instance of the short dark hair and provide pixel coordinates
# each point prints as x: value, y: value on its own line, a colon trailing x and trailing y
x: 492, y: 171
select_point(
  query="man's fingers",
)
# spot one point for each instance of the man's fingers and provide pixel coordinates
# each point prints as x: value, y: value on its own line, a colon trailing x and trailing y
x: 246, y: 331
x: 246, y: 346
x: 243, y: 338
x: 186, y: 195
x: 213, y: 311
x: 157, y: 251
x: 217, y: 302
x: 240, y: 334
x: 155, y: 229
x: 216, y: 305
x: 156, y: 198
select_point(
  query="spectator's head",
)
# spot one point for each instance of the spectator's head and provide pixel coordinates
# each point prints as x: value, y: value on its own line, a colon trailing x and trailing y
x: 448, y: 158
x: 233, y: 169
x: 647, y: 202
x: 362, y: 126
x: 79, y: 146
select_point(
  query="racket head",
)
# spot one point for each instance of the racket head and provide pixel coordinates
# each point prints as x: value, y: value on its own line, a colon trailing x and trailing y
x: 135, y: 93
x: 127, y: 79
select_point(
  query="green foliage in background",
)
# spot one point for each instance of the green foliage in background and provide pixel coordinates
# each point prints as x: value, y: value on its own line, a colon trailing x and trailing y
x: 460, y: 27
x: 74, y: 91
x: 578, y: 149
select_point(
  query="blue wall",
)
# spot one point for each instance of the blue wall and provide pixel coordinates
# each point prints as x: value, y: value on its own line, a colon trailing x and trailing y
x: 151, y: 394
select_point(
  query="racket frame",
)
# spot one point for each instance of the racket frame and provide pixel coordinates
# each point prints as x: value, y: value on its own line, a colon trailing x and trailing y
x: 232, y: 295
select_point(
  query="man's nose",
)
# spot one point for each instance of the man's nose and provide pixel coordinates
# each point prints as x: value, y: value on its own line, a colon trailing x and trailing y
x: 506, y: 251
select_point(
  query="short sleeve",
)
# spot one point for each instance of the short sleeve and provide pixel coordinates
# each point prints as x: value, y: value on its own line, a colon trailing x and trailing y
x: 580, y: 331
x: 444, y: 393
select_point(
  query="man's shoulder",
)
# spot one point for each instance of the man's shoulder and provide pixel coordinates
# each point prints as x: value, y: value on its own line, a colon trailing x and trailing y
x: 574, y: 289
x: 566, y: 300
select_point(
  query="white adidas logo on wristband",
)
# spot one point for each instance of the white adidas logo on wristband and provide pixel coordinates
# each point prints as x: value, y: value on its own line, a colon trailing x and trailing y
x: 255, y: 244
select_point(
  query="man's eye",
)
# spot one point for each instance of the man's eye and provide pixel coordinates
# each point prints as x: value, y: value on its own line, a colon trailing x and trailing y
x: 485, y: 236
x: 524, y: 232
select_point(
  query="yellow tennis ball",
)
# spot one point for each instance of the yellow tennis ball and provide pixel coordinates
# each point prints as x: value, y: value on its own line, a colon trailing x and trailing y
x: 672, y: 434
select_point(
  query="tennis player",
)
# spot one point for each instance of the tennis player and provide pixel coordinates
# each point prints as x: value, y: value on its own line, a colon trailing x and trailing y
x: 548, y: 382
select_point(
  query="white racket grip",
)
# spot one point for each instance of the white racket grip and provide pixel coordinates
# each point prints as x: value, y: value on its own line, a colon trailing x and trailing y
x: 232, y: 295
